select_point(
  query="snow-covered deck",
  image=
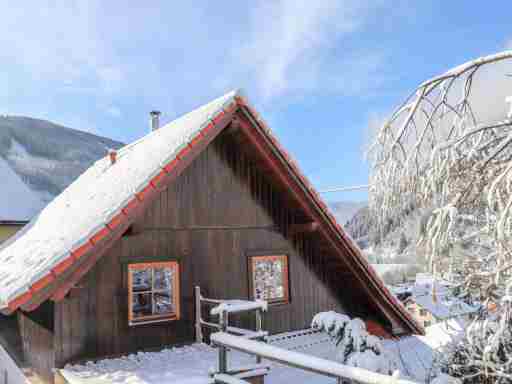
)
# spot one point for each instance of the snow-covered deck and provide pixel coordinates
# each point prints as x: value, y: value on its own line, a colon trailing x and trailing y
x: 191, y: 364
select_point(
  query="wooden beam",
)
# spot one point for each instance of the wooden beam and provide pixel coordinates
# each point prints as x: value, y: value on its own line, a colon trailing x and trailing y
x: 135, y: 229
x: 310, y: 227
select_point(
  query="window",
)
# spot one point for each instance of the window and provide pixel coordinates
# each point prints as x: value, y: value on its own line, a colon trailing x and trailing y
x: 423, y: 312
x: 269, y: 278
x: 153, y: 290
x: 427, y: 323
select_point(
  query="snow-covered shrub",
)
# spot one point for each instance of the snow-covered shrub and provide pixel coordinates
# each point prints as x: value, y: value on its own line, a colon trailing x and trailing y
x: 356, y: 346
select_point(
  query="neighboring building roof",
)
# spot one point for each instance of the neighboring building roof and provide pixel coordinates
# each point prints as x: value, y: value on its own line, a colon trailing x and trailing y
x: 18, y: 203
x: 60, y: 245
x: 444, y: 307
x: 425, y: 282
x: 417, y: 356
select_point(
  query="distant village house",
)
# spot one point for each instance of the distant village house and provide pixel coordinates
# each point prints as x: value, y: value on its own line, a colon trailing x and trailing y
x: 431, y: 301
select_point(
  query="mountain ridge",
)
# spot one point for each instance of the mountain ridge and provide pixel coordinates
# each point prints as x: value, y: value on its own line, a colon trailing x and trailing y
x: 46, y: 158
x: 49, y: 156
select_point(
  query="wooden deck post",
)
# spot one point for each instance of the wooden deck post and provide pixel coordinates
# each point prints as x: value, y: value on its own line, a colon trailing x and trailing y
x: 199, y: 331
x: 259, y: 327
x: 223, y: 351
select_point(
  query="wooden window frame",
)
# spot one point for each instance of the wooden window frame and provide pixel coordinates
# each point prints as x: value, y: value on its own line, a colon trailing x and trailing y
x: 252, y: 259
x: 175, y: 292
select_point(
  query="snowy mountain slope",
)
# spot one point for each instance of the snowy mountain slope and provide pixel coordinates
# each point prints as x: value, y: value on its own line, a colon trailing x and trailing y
x: 395, y: 256
x: 345, y: 210
x: 18, y: 202
x: 358, y: 226
x: 47, y: 157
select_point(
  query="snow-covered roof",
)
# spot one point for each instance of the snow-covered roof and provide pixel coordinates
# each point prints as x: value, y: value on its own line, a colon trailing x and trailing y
x: 89, y: 203
x: 444, y: 307
x: 19, y: 202
x: 415, y: 355
x: 425, y: 282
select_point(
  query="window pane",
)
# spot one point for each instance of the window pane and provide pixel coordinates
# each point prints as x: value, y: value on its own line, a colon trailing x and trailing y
x: 141, y: 279
x: 141, y: 305
x: 269, y: 279
x: 163, y: 303
x: 153, y: 293
x: 163, y: 279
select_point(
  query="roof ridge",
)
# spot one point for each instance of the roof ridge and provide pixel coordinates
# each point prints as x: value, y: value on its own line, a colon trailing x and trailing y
x: 147, y: 136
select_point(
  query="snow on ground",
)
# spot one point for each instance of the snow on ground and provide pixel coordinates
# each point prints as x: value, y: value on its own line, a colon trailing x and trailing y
x: 184, y: 365
x: 415, y: 355
x: 191, y: 364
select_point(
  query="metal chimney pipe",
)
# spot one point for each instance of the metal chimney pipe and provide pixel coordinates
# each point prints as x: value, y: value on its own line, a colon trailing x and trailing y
x: 154, y: 120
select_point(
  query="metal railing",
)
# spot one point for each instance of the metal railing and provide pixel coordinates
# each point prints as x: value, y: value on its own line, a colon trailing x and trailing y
x: 302, y: 361
x: 223, y: 324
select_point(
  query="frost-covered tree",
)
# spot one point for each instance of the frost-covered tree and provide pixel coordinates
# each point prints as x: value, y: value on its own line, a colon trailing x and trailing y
x: 446, y: 152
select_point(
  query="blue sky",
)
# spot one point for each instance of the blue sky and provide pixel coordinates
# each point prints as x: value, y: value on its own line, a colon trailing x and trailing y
x: 320, y: 72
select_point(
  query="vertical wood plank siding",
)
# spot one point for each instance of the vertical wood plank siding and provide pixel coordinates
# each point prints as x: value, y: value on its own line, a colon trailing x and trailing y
x: 223, y: 188
x: 37, y: 346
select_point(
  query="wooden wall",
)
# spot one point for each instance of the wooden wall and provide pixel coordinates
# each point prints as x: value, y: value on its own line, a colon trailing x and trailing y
x: 37, y: 346
x: 219, y: 210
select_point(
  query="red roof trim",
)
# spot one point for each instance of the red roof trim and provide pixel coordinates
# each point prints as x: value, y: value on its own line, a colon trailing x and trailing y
x: 41, y: 283
x: 116, y: 221
x: 160, y: 179
x: 60, y: 268
x: 100, y: 235
x: 19, y: 301
x: 183, y: 152
x: 82, y: 250
x: 130, y: 208
x: 169, y: 167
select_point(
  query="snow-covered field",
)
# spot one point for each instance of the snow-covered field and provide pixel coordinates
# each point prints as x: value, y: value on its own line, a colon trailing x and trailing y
x: 190, y: 364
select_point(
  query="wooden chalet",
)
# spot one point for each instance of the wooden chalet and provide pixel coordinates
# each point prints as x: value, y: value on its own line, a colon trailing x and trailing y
x: 210, y: 200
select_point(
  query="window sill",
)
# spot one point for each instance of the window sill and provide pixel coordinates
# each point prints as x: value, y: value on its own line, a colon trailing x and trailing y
x: 277, y: 304
x: 152, y: 321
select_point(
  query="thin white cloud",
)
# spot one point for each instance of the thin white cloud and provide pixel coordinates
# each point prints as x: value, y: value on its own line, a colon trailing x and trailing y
x: 508, y: 44
x: 59, y: 42
x: 290, y: 47
x: 91, y: 51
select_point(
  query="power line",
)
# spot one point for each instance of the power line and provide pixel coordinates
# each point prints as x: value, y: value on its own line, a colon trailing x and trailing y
x: 344, y: 189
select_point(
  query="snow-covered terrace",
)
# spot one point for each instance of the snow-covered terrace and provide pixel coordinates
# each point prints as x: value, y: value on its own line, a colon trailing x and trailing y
x: 412, y: 355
